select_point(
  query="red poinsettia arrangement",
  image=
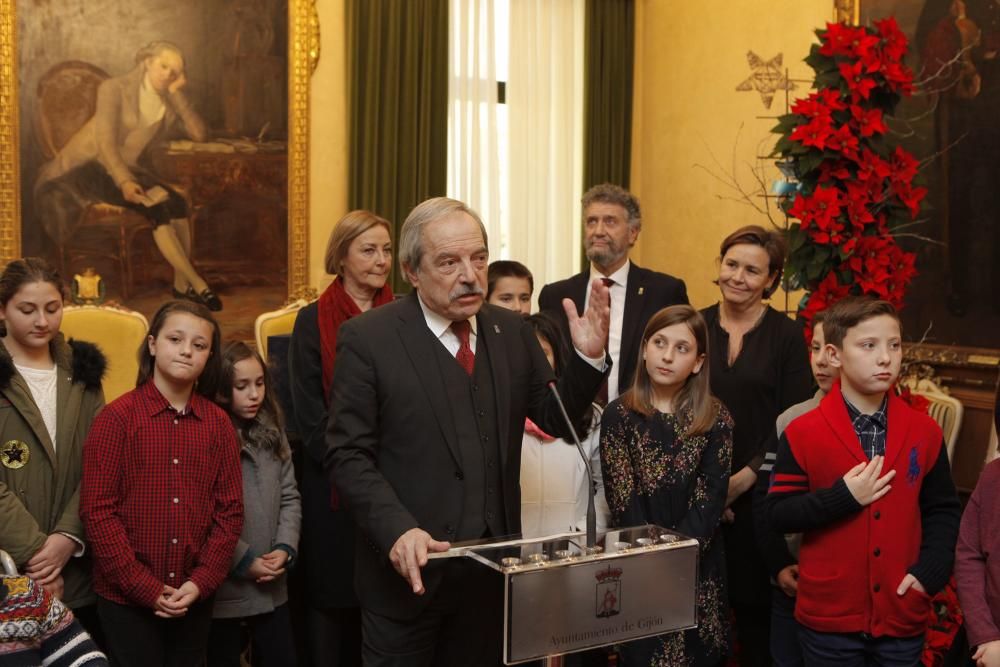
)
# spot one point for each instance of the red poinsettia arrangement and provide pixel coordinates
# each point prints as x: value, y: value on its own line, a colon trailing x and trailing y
x: 854, y: 186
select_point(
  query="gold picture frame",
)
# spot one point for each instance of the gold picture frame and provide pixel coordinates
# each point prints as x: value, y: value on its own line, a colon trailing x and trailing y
x: 848, y: 11
x: 303, y: 56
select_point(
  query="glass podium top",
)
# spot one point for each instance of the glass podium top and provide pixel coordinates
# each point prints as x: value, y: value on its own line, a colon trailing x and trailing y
x: 511, y: 556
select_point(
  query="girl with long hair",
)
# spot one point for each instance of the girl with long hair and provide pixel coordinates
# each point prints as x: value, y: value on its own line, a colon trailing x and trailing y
x: 256, y: 593
x: 666, y: 446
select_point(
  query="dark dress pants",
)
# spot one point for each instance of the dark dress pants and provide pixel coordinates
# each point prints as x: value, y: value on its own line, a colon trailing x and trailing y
x: 270, y: 638
x: 855, y: 649
x: 461, y: 626
x: 136, y: 637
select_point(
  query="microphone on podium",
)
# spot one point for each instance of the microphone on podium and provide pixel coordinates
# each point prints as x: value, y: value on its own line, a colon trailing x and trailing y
x: 591, y: 511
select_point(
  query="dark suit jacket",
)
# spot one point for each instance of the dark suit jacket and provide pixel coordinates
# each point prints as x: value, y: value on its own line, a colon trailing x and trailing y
x: 647, y: 293
x: 392, y: 447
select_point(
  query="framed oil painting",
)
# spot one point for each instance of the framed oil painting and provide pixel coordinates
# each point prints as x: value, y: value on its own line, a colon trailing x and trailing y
x: 160, y: 145
x: 951, y: 125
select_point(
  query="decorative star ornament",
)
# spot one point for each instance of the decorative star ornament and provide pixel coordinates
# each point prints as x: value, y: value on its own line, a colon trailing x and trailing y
x: 767, y: 78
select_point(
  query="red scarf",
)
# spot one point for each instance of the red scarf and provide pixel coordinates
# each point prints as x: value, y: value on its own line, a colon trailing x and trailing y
x: 336, y: 307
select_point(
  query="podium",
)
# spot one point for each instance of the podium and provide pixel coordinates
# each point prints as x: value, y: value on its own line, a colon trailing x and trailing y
x: 562, y: 597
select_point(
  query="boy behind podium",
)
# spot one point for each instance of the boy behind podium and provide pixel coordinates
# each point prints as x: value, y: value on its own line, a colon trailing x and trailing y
x: 866, y: 479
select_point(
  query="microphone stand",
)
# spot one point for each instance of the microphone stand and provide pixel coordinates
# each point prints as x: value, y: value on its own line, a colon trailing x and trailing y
x: 591, y: 510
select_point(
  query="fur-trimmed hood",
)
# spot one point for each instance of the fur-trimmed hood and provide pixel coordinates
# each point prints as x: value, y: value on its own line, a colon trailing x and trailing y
x: 85, y: 362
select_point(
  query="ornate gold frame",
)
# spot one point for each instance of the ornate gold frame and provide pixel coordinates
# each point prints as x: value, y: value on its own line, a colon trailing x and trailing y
x: 848, y: 11
x: 303, y: 56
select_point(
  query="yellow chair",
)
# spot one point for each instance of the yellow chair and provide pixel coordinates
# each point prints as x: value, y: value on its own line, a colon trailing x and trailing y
x: 118, y: 332
x: 945, y: 409
x: 276, y: 323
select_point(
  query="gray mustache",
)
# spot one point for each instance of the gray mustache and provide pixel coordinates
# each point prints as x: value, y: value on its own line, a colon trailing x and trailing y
x: 467, y: 290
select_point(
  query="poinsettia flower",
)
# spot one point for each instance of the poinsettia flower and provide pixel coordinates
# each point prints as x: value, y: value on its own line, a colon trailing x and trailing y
x: 903, y: 166
x: 857, y: 79
x: 810, y: 107
x: 899, y: 78
x: 815, y: 133
x: 831, y: 170
x: 918, y: 403
x: 910, y: 197
x: 830, y: 97
x: 869, y: 121
x: 893, y: 39
x: 828, y: 292
x: 859, y: 201
x: 844, y: 141
x: 825, y: 204
x: 873, y: 169
x: 843, y: 40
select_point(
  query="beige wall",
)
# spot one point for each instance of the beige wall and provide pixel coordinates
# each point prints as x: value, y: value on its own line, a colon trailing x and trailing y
x: 328, y: 149
x: 689, y: 59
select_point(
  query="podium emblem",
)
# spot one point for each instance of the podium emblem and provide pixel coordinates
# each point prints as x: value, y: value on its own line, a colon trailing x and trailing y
x: 608, y: 597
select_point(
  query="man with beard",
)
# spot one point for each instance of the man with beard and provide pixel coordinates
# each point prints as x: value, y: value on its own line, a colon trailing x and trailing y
x: 611, y: 224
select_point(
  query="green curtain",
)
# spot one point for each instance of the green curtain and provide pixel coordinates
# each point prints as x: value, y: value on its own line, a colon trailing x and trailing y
x: 608, y: 82
x: 398, y: 70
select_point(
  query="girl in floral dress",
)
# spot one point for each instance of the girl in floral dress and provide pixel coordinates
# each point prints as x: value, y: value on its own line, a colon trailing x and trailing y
x: 666, y: 446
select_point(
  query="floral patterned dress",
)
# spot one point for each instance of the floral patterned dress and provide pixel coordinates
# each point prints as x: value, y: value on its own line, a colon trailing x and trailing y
x: 652, y: 474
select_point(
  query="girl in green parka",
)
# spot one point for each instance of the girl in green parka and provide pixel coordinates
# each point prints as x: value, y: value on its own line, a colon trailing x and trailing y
x: 50, y: 391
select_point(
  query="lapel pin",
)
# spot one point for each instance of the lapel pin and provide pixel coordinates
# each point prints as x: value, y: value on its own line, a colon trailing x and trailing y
x: 496, y: 328
x: 640, y: 290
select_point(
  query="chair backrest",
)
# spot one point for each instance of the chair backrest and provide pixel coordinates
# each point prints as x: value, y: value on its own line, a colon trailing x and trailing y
x: 947, y: 412
x: 118, y: 332
x: 67, y: 97
x: 275, y: 323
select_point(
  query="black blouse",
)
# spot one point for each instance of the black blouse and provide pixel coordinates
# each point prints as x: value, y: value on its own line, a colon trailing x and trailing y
x: 770, y: 375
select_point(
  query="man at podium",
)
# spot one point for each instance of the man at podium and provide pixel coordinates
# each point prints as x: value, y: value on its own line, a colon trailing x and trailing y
x: 429, y: 399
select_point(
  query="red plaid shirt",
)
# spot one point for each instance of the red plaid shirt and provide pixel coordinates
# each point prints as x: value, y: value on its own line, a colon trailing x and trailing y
x: 161, y: 497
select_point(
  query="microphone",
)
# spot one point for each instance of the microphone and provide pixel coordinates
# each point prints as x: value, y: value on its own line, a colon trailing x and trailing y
x: 591, y: 511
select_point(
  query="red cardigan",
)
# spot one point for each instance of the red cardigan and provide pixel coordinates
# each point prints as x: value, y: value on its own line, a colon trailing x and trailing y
x: 853, y: 558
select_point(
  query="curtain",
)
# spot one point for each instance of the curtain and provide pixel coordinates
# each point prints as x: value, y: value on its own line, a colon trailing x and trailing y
x: 398, y: 71
x: 610, y: 39
x: 545, y: 107
x: 473, y: 164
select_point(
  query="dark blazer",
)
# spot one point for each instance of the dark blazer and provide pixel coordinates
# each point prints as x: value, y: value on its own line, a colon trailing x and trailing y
x: 326, y: 553
x: 647, y: 292
x: 392, y: 449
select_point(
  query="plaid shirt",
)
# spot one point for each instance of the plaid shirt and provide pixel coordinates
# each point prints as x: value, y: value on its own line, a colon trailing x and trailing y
x: 870, y: 429
x: 161, y: 497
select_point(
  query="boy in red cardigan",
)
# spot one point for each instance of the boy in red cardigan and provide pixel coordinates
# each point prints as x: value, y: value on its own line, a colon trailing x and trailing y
x: 866, y: 479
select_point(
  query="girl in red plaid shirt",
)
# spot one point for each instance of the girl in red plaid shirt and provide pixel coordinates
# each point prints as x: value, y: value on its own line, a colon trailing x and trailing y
x: 162, y: 495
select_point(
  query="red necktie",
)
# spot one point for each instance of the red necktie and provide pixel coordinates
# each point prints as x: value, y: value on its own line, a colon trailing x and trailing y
x: 465, y: 357
x: 602, y: 394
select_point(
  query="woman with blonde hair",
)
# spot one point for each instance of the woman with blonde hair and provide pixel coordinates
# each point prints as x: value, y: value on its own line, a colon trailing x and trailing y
x: 359, y: 253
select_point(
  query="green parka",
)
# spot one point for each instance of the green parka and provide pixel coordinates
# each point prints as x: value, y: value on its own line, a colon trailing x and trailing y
x: 39, y: 483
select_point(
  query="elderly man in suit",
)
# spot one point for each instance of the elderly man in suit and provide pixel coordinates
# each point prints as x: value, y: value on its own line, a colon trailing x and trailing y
x: 611, y: 225
x: 430, y: 394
